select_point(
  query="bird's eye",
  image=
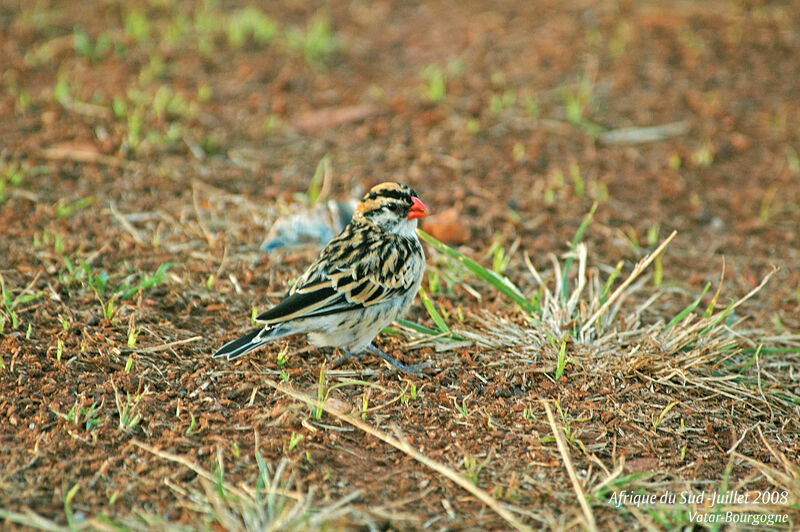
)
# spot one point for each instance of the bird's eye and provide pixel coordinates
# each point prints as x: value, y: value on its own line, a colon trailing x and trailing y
x: 394, y: 207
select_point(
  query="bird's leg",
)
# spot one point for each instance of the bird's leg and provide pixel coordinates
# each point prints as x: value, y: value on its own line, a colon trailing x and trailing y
x: 414, y: 370
x: 345, y: 357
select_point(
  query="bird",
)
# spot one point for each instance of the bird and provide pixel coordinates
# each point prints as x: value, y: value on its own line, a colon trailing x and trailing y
x: 362, y: 280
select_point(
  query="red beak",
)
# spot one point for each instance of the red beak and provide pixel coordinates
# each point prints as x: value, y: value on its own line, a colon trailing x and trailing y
x: 418, y: 209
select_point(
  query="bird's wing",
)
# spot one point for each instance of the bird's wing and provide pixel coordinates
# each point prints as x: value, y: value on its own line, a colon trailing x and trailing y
x: 351, y: 272
x: 304, y: 305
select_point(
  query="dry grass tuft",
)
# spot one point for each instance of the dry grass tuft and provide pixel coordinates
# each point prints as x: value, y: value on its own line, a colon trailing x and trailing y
x: 698, y: 358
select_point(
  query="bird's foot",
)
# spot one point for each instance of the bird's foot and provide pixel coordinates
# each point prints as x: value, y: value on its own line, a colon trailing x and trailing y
x: 412, y: 370
x: 344, y: 358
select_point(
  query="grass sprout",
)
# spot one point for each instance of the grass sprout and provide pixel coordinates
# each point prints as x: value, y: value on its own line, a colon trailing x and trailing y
x: 294, y: 440
x: 137, y: 25
x: 250, y: 23
x: 472, y: 468
x: 658, y: 420
x: 12, y: 174
x: 318, y: 43
x: 192, y: 425
x: 59, y: 349
x: 435, y: 83
x: 71, y: 522
x: 107, y: 306
x: 128, y: 408
x: 81, y: 416
x: 133, y: 333
x: 10, y: 302
x: 562, y: 361
x: 578, y: 101
x: 462, y: 408
x: 146, y: 281
x: 575, y: 241
x: 91, y: 50
x: 324, y: 392
x: 273, y: 501
x: 317, y: 188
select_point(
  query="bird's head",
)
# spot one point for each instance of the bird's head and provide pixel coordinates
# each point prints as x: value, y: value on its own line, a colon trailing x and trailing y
x: 393, y: 207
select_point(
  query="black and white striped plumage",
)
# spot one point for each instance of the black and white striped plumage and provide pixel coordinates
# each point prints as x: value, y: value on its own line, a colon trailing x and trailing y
x: 363, y: 280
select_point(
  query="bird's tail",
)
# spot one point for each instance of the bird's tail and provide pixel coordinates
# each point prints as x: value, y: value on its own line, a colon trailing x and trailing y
x: 248, y: 342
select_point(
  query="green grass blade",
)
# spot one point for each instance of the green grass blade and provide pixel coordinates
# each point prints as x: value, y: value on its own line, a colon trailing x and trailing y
x: 431, y: 308
x: 724, y: 314
x: 111, y: 523
x: 68, y: 210
x: 658, y: 274
x: 315, y: 186
x: 417, y: 327
x: 263, y: 473
x: 562, y: 360
x: 146, y: 281
x: 575, y: 242
x: 658, y: 519
x: 499, y: 282
x: 685, y: 312
x: 68, y: 506
x: 753, y: 359
x: 787, y: 398
x: 422, y: 329
x: 5, y: 295
x: 610, y: 283
x: 772, y: 351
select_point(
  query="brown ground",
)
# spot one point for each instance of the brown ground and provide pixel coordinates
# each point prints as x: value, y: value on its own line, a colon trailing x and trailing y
x: 196, y: 178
